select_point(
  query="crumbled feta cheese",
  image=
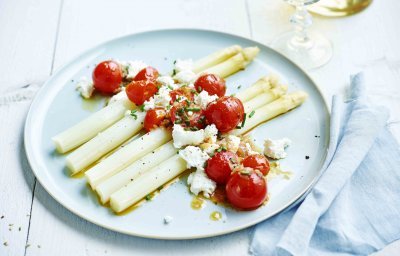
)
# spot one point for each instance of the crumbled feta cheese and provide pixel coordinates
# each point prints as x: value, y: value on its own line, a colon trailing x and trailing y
x: 117, y: 97
x: 231, y: 143
x: 185, y: 76
x: 182, y: 138
x: 203, y: 99
x: 181, y: 65
x: 199, y: 182
x: 210, y: 133
x: 276, y: 148
x: 249, y: 150
x: 167, y: 81
x: 128, y: 113
x: 194, y: 157
x: 167, y: 219
x: 160, y: 99
x: 85, y: 87
x: 131, y: 68
x: 209, y: 148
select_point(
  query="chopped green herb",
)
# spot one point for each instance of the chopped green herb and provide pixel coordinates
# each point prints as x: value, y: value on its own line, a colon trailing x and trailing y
x: 174, y: 62
x: 244, y: 120
x: 173, y: 72
x: 221, y: 149
x: 240, y: 86
x: 193, y: 109
x: 233, y: 95
x: 178, y: 121
x: 158, y: 87
x: 187, y: 101
x: 194, y: 128
x: 168, y: 107
x: 133, y: 113
x: 170, y: 87
x: 252, y: 113
x: 141, y: 107
x: 187, y: 123
x: 181, y: 111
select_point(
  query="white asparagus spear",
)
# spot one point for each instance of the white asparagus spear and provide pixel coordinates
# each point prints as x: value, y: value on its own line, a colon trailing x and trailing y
x: 271, y: 110
x: 235, y: 63
x: 114, y: 183
x: 215, y: 58
x: 104, y: 142
x: 151, y: 180
x: 91, y: 126
x: 265, y: 98
x: 126, y: 155
x: 147, y: 183
x: 262, y: 85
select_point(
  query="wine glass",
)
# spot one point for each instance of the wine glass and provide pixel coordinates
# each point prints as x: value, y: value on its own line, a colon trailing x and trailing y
x: 308, y: 50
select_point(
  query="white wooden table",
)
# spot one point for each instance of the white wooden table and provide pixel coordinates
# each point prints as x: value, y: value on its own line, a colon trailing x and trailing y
x: 37, y: 36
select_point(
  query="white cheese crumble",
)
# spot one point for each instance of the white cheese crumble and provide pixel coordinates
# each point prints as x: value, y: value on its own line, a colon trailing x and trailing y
x: 194, y: 157
x: 167, y: 219
x: 185, y: 76
x: 250, y: 151
x: 199, y: 182
x: 276, y: 148
x: 181, y: 65
x: 160, y: 99
x: 231, y: 143
x: 167, y: 81
x: 210, y: 133
x: 131, y: 68
x: 182, y: 138
x: 209, y: 148
x: 85, y: 87
x: 117, y: 97
x: 203, y: 99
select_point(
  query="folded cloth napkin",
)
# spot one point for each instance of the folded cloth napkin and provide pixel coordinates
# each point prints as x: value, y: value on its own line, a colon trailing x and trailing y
x: 354, y: 208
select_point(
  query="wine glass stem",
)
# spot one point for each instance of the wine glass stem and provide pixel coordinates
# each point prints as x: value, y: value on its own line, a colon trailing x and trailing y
x: 301, y: 20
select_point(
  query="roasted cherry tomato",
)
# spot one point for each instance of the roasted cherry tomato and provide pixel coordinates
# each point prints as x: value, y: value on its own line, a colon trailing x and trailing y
x: 188, y: 115
x: 258, y: 162
x: 140, y: 91
x: 246, y: 190
x: 212, y: 84
x: 219, y: 167
x: 148, y: 73
x: 154, y: 118
x: 181, y: 92
x: 107, y: 77
x: 226, y: 113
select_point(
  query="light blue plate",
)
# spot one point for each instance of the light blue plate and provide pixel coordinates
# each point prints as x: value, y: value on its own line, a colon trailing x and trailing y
x: 58, y: 106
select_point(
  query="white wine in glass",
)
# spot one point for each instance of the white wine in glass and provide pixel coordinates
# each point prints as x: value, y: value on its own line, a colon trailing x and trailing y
x: 308, y: 50
x: 339, y: 8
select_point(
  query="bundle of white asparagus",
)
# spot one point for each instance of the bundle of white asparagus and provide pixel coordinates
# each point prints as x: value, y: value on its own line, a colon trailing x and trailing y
x: 141, y: 166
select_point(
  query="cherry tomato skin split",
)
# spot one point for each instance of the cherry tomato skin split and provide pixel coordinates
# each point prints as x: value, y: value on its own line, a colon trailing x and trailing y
x: 140, y: 91
x: 148, y: 73
x: 107, y: 77
x: 219, y: 166
x: 258, y: 162
x: 226, y: 113
x: 212, y: 84
x: 246, y: 191
x: 154, y: 118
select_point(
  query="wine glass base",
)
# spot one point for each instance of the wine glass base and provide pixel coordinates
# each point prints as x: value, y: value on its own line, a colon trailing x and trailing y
x: 312, y: 56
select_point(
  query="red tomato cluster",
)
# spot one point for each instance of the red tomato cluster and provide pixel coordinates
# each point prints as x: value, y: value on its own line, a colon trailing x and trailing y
x: 143, y: 86
x: 246, y: 188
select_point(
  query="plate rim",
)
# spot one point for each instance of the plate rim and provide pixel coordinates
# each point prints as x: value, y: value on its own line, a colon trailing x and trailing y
x: 34, y: 165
